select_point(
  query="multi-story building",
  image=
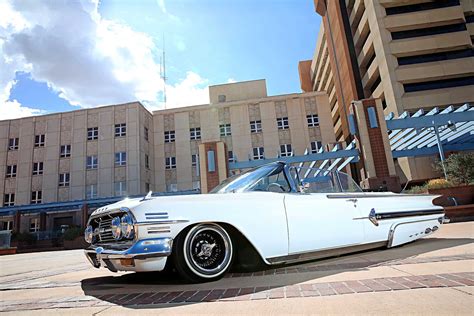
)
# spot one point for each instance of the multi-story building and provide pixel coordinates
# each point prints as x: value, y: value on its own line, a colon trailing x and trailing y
x: 124, y: 149
x: 411, y: 54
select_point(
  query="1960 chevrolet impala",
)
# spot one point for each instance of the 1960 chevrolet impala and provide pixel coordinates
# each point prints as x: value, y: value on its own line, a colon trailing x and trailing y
x: 267, y: 215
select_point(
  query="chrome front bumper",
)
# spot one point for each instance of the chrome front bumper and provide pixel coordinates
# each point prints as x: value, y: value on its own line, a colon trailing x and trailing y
x: 140, y: 250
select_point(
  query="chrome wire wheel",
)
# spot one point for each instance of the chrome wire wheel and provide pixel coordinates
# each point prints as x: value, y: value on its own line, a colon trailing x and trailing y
x: 208, y: 250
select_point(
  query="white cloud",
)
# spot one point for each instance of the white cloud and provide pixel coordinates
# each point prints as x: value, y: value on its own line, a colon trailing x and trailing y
x: 13, y: 109
x: 192, y: 90
x: 87, y: 60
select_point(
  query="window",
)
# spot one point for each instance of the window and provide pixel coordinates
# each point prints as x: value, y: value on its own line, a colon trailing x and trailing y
x: 13, y: 143
x: 275, y: 181
x: 65, y: 151
x: 285, y: 150
x: 313, y: 120
x: 92, y: 162
x: 169, y: 136
x: 459, y: 27
x: 255, y: 126
x: 7, y: 225
x: 39, y: 140
x: 221, y: 98
x: 121, y: 158
x: 147, y: 161
x: 195, y: 133
x: 145, y: 133
x: 194, y: 160
x: 120, y: 188
x: 439, y: 84
x: 64, y: 179
x: 170, y: 163
x: 315, y: 146
x: 282, y: 123
x: 37, y: 168
x: 36, y: 197
x: 196, y: 185
x: 409, y: 60
x: 34, y: 225
x: 91, y: 191
x: 9, y: 199
x: 92, y: 133
x: 225, y: 130
x: 11, y: 171
x: 172, y: 187
x: 120, y: 130
x: 230, y: 155
x: 258, y: 153
x: 421, y: 7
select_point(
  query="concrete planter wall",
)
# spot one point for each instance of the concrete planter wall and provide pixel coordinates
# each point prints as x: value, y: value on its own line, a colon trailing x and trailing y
x: 463, y: 194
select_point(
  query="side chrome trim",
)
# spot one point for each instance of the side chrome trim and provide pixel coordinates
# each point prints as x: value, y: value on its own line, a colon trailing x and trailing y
x: 175, y: 221
x: 324, y: 253
x: 391, y: 233
x: 401, y: 214
x: 370, y: 195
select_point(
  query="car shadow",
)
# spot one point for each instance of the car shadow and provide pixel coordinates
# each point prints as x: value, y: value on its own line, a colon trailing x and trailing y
x: 126, y: 289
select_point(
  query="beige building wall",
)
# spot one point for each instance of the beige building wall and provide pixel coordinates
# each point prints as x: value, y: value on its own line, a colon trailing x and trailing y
x: 70, y: 128
x: 238, y: 91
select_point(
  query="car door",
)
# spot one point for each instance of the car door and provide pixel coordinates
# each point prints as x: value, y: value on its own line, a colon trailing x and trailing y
x: 318, y: 221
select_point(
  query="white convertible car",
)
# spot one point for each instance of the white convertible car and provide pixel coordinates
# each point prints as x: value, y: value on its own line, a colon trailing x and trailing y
x: 264, y: 215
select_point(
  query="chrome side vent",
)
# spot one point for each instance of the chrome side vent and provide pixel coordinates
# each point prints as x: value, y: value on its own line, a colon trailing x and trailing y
x: 158, y: 229
x: 158, y: 215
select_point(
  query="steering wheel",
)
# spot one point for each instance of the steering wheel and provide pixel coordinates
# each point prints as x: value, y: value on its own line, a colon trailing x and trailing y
x: 275, y: 187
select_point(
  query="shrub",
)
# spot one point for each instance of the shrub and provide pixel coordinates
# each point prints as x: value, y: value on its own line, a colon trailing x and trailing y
x: 419, y: 189
x: 439, y: 184
x: 72, y: 233
x: 460, y: 168
x: 24, y: 237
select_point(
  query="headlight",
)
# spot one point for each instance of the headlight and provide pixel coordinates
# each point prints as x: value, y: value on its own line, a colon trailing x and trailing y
x: 116, y: 228
x: 127, y: 226
x: 89, y: 234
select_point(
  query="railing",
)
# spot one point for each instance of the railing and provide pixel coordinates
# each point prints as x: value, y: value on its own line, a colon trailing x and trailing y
x: 5, y: 238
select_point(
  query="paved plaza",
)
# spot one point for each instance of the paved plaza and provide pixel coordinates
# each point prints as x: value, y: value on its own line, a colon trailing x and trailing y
x: 434, y: 275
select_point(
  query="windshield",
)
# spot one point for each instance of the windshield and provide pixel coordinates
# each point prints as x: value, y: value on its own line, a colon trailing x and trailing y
x: 251, y: 180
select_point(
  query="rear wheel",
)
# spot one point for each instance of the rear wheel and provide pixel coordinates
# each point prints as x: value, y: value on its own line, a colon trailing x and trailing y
x: 204, y: 253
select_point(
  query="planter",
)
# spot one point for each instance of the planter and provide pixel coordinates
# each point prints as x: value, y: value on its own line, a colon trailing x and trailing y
x: 463, y: 194
x: 77, y: 243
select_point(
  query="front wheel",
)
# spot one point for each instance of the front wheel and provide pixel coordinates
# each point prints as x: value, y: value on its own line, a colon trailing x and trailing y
x: 204, y: 253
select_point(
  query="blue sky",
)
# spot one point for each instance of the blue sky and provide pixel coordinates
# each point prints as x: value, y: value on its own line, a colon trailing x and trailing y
x: 207, y: 42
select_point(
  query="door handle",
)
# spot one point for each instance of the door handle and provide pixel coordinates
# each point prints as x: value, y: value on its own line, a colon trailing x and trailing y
x: 352, y: 200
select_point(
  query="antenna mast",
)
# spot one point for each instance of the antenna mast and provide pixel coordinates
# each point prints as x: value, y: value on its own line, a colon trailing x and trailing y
x: 163, y: 71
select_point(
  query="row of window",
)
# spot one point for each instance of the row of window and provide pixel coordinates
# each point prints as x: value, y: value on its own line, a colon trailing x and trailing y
x: 92, y: 162
x: 459, y: 27
x: 120, y: 130
x: 255, y: 127
x: 426, y: 58
x: 120, y: 189
x: 421, y: 7
x: 439, y: 84
x: 258, y: 153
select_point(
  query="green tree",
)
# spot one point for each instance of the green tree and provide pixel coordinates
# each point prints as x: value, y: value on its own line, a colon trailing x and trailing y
x: 460, y: 168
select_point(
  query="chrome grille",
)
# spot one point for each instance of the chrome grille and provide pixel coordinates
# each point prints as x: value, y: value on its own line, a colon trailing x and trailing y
x: 104, y: 224
x: 105, y: 230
